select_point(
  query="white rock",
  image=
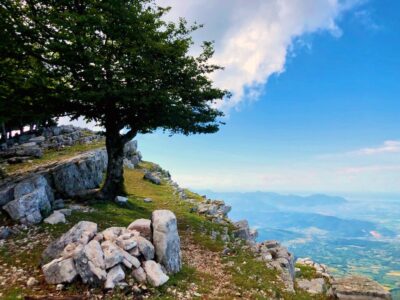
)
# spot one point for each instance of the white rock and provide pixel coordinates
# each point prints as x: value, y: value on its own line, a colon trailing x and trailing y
x: 90, y: 264
x: 143, y: 226
x: 147, y: 200
x: 60, y: 271
x: 80, y: 233
x: 112, y: 254
x: 139, y: 274
x: 32, y: 281
x: 166, y: 240
x: 154, y: 274
x: 55, y: 218
x: 145, y: 248
x: 121, y: 200
x: 59, y: 287
x: 71, y: 249
x: 313, y: 286
x: 130, y: 259
x: 112, y: 233
x: 115, y: 275
x: 126, y: 244
x: 32, y: 198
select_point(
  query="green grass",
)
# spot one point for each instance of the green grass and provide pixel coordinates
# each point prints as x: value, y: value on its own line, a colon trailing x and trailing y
x: 306, y: 272
x: 52, y: 155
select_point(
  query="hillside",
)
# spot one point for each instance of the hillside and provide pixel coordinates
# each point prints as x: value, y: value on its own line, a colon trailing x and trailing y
x: 206, y: 273
x: 221, y: 260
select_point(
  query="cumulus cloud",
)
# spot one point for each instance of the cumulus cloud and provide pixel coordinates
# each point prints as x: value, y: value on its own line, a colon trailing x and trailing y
x: 253, y: 38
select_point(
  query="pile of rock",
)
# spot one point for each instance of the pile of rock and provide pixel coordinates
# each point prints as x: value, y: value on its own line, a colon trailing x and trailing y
x: 278, y: 257
x: 147, y: 250
x: 31, y: 145
x: 132, y: 157
x: 67, y: 135
x: 321, y: 270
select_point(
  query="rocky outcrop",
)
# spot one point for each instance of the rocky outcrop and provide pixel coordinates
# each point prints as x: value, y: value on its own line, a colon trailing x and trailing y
x: 80, y: 173
x: 32, y: 200
x: 32, y: 145
x: 345, y: 288
x: 132, y: 156
x: 104, y: 259
x: 359, y: 288
x: 312, y: 286
x: 166, y: 240
x: 277, y: 257
x: 30, y: 197
x: 153, y: 178
x: 321, y: 270
x: 243, y: 231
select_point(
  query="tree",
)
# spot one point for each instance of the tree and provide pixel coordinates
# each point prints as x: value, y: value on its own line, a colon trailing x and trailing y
x: 25, y: 88
x: 123, y: 66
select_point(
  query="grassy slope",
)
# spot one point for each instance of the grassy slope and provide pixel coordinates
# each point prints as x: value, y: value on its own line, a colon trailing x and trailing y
x: 242, y: 273
x: 51, y: 156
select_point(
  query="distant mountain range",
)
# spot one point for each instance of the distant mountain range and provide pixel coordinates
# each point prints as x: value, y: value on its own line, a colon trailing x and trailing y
x: 276, y: 200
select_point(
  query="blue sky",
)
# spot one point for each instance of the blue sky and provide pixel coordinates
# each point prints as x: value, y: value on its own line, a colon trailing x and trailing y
x: 316, y: 98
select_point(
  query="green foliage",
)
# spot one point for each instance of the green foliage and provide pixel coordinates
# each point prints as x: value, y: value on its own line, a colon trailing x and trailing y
x: 25, y: 87
x: 306, y: 272
x: 120, y: 64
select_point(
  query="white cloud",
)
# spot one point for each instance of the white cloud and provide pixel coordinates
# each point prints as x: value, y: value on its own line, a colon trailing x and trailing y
x: 253, y: 37
x: 374, y: 169
x: 387, y: 147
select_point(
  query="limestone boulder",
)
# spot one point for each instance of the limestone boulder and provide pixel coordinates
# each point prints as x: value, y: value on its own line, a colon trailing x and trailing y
x: 154, y: 274
x: 121, y: 200
x: 60, y: 271
x: 30, y: 208
x: 55, y: 218
x: 359, y: 288
x: 90, y: 264
x: 166, y: 240
x: 80, y: 174
x: 312, y: 286
x: 243, y: 231
x: 6, y: 195
x: 112, y: 254
x: 115, y: 275
x: 143, y: 226
x: 146, y: 248
x: 112, y: 233
x: 80, y: 233
x: 139, y: 275
x: 152, y: 178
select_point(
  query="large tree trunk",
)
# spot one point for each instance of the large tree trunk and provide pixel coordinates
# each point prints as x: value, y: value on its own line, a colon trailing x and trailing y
x: 114, y: 183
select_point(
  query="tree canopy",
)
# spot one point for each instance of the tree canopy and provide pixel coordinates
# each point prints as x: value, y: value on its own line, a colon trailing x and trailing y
x: 119, y: 63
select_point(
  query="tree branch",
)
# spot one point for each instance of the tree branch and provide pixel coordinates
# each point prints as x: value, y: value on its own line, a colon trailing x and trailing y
x: 129, y: 136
